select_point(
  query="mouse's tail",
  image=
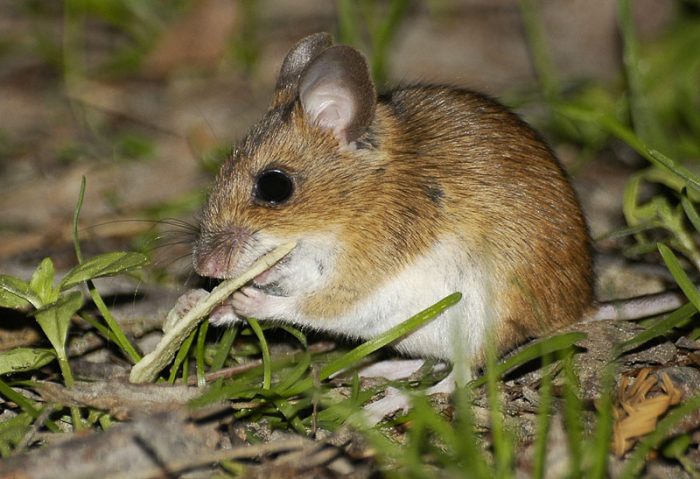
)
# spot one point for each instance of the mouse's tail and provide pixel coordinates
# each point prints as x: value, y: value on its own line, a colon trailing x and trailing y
x: 638, y: 307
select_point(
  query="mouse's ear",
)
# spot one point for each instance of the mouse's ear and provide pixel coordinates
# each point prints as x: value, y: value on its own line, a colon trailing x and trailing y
x: 336, y: 92
x: 296, y: 61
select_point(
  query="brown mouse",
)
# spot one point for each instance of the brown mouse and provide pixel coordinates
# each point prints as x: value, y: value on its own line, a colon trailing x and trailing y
x: 396, y: 201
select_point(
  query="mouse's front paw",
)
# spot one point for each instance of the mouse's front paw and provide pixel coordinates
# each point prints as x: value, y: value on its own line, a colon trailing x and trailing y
x: 224, y: 315
x: 251, y: 302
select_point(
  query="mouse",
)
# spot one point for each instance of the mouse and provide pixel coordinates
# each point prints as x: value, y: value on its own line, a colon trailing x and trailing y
x: 395, y: 200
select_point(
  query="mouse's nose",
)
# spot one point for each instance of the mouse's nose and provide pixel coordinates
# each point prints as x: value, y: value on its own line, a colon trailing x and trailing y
x: 215, y: 254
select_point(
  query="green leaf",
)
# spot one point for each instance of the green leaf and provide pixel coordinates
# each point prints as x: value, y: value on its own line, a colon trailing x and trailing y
x: 54, y: 320
x: 42, y: 282
x: 24, y: 359
x: 107, y: 264
x: 16, y: 294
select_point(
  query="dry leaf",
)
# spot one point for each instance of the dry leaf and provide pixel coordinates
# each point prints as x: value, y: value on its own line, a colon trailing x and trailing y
x: 640, y: 405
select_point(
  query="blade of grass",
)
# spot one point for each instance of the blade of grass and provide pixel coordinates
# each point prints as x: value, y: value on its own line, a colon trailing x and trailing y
x: 292, y: 377
x: 679, y: 275
x: 543, y: 420
x: 643, y: 117
x: 573, y: 412
x: 295, y: 332
x: 619, y: 130
x: 535, y: 350
x: 468, y: 448
x: 119, y: 336
x: 199, y: 353
x: 383, y: 37
x: 25, y: 404
x: 415, y: 440
x: 180, y: 358
x: 347, y: 15
x: 501, y: 441
x: 600, y: 445
x: 673, y: 320
x: 542, y: 61
x: 690, y: 210
x: 224, y: 347
x: 389, y: 336
x: 368, y: 347
x: 267, y: 367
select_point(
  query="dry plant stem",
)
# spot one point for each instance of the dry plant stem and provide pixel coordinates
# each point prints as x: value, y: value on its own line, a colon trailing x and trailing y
x: 148, y: 368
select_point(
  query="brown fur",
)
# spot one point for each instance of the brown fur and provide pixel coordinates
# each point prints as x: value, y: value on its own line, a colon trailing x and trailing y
x: 434, y: 161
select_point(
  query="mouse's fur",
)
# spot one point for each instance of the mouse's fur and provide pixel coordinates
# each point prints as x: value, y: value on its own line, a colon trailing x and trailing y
x: 398, y: 201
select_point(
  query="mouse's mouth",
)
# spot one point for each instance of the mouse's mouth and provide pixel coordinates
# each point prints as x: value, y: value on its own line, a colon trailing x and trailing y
x: 269, y: 279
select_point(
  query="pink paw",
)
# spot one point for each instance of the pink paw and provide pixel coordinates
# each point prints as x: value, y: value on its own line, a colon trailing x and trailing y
x: 249, y: 302
x: 224, y: 315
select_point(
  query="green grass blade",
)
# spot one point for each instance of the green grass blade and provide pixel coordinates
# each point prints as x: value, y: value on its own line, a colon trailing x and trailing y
x: 600, y: 445
x: 573, y: 412
x: 533, y: 351
x: 679, y: 275
x: 181, y: 357
x: 296, y: 333
x: 543, y: 420
x: 119, y: 336
x: 389, y: 336
x: 76, y: 217
x: 690, y: 210
x: 619, y: 130
x: 503, y: 448
x: 367, y: 348
x: 541, y: 60
x: 347, y: 17
x: 224, y: 348
x: 383, y: 37
x: 267, y: 366
x: 199, y: 353
x: 469, y: 448
x: 673, y: 320
x: 643, y: 117
x: 295, y: 375
x: 25, y: 404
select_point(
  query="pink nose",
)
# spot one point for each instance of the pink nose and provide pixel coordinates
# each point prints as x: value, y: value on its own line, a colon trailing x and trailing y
x: 211, y: 265
x: 215, y: 253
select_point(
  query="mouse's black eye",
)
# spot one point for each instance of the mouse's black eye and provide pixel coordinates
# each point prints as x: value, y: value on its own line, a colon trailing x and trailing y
x: 273, y: 187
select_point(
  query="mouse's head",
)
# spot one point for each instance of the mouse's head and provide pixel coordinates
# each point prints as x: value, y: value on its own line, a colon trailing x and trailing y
x: 296, y: 176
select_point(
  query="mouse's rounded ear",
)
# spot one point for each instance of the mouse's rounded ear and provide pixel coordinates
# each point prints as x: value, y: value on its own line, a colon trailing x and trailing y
x: 336, y: 92
x: 296, y: 61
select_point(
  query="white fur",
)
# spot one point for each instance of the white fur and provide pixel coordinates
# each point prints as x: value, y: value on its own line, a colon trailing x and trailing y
x: 456, y: 335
